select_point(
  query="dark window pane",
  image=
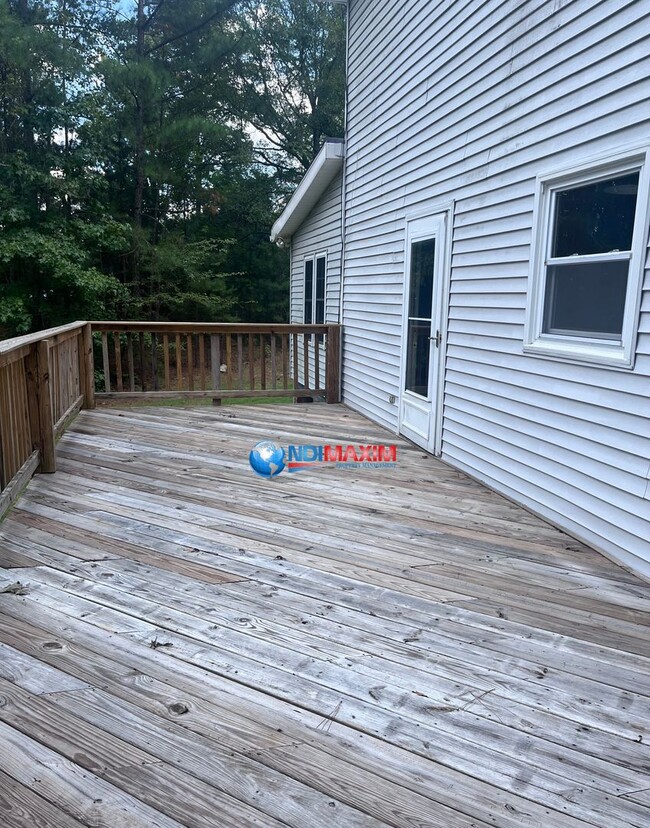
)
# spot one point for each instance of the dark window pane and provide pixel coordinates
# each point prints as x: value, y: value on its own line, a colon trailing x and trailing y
x: 421, y: 291
x: 320, y: 291
x: 586, y: 299
x: 595, y: 218
x: 309, y: 291
x: 417, y: 358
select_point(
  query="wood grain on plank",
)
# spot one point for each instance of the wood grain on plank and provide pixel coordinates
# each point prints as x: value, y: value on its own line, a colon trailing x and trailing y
x: 403, y: 643
x: 84, y: 796
x: 21, y: 807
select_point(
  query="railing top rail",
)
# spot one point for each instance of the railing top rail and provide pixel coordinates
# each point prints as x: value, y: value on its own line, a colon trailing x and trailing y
x: 209, y: 327
x: 9, y: 345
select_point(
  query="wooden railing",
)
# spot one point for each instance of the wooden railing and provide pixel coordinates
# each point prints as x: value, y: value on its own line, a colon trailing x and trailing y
x: 45, y: 379
x: 166, y: 360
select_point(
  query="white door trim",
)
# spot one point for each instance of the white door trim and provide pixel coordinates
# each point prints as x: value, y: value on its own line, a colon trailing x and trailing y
x: 435, y: 223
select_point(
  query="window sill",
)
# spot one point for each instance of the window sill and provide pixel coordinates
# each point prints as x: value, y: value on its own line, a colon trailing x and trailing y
x: 581, y: 353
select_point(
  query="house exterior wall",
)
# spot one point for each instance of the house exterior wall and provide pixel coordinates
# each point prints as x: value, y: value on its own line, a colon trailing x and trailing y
x: 470, y: 102
x: 319, y: 234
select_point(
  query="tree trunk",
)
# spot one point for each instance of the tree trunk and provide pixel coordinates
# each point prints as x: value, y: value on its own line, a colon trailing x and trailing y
x: 139, y: 149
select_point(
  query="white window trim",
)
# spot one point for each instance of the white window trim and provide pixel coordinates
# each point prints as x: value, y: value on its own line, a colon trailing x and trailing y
x: 618, y: 353
x: 314, y: 258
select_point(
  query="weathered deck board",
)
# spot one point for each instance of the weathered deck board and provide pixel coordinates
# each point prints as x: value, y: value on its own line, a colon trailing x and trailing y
x: 199, y: 646
x: 22, y: 808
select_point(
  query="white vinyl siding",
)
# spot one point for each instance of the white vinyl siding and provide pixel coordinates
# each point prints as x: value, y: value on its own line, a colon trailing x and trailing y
x: 319, y: 235
x: 472, y: 102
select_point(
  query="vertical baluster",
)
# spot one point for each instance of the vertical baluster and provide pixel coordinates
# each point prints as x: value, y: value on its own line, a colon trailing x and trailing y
x: 168, y: 384
x: 274, y: 367
x: 240, y: 362
x: 55, y: 368
x: 106, y: 363
x: 4, y: 384
x: 68, y: 376
x: 285, y: 360
x: 143, y: 384
x: 228, y: 362
x: 117, y: 344
x: 215, y: 361
x: 53, y: 359
x: 190, y: 361
x: 179, y: 363
x: 8, y: 421
x: 28, y: 445
x: 317, y: 362
x: 202, y: 360
x: 305, y: 359
x: 131, y: 361
x: 154, y: 360
x: 295, y: 361
x: 23, y: 432
x: 57, y: 359
x: 16, y: 464
x: 73, y: 374
x: 251, y: 361
x: 262, y: 361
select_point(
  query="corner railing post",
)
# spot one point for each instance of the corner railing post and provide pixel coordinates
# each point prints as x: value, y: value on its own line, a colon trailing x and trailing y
x: 333, y: 369
x: 40, y: 404
x: 87, y: 366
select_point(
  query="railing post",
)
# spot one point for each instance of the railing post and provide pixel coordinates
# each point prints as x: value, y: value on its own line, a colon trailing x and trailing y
x: 87, y: 366
x: 40, y: 404
x: 333, y: 365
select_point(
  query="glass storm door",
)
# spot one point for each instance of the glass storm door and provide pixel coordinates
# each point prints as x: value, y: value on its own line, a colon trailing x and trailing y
x: 421, y: 335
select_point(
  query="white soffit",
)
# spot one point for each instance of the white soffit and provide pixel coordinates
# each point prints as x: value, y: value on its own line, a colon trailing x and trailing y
x: 316, y: 180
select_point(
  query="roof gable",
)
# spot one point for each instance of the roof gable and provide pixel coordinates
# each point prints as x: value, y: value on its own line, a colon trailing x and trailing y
x: 318, y: 177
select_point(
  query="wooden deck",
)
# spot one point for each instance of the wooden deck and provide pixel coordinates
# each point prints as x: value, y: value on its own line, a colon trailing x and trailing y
x: 184, y: 643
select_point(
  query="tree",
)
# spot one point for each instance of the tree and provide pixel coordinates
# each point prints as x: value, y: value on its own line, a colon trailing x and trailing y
x: 53, y: 226
x: 132, y: 182
x: 290, y: 79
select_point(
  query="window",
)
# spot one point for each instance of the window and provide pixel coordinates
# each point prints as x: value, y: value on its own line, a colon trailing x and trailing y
x: 587, y: 266
x: 420, y: 308
x: 309, y: 292
x: 315, y: 269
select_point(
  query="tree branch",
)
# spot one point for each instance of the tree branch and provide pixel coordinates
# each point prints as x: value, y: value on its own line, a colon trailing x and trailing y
x: 200, y: 25
x: 147, y: 22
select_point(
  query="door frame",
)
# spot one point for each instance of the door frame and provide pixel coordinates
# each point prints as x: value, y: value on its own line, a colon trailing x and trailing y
x: 415, y: 227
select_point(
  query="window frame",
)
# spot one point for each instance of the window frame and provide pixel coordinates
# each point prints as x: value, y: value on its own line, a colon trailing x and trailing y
x: 314, y: 258
x: 607, y: 352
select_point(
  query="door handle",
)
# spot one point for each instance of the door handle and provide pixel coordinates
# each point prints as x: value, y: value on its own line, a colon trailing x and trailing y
x: 437, y: 339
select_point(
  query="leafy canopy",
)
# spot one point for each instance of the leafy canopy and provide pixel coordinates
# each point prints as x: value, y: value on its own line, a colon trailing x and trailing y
x: 146, y: 147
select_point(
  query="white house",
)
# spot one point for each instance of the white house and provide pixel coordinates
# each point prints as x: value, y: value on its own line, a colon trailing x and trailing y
x: 494, y: 287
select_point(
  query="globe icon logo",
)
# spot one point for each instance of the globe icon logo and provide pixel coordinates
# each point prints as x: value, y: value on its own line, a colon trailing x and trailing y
x: 267, y: 459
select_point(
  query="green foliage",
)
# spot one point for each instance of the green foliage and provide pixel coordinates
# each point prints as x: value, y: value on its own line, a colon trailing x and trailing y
x: 56, y: 281
x: 290, y: 79
x: 130, y: 183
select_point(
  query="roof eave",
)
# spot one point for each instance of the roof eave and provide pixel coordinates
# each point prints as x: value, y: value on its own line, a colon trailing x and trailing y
x: 316, y: 180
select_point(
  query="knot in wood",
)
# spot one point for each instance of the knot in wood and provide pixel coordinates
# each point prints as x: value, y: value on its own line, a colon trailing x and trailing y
x: 178, y: 708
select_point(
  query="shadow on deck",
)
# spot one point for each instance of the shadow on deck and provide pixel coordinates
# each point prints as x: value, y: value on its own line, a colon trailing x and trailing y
x: 185, y: 643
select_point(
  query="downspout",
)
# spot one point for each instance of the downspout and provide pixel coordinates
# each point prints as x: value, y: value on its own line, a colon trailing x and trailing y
x: 345, y: 166
x: 291, y: 279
